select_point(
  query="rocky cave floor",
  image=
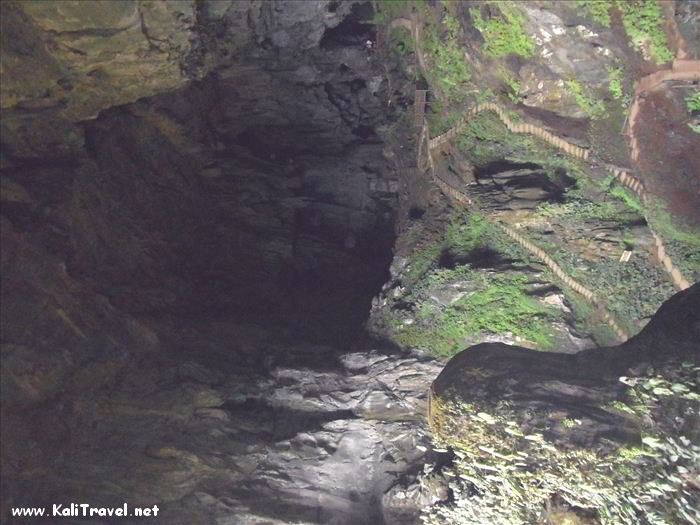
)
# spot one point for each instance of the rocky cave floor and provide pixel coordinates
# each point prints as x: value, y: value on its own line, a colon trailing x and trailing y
x: 238, y: 423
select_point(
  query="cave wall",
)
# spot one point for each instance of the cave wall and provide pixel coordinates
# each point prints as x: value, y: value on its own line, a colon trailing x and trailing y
x: 223, y: 141
x: 181, y: 159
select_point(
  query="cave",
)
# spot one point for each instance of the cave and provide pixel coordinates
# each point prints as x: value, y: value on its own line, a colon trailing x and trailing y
x: 239, y: 284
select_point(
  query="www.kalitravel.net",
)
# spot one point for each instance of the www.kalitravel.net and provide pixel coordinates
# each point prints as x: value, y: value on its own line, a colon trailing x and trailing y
x: 83, y: 510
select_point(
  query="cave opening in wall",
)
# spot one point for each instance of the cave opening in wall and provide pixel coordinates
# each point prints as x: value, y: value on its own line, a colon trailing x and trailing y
x: 354, y: 30
x: 204, y: 202
x: 251, y: 192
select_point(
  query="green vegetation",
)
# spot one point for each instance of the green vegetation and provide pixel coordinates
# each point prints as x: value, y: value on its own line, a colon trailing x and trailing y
x: 421, y: 262
x: 387, y: 10
x: 486, y: 139
x: 514, y: 90
x: 465, y: 234
x: 588, y: 321
x: 475, y: 302
x: 633, y: 290
x: 504, y: 34
x: 644, y: 23
x: 615, y: 78
x: 440, y: 120
x: 629, y: 198
x: 669, y: 228
x: 498, y: 304
x: 599, y: 10
x: 506, y: 472
x: 448, y: 71
x: 463, y: 237
x: 578, y: 210
x: 692, y: 102
x: 402, y: 40
x: 615, y: 85
x: 681, y: 242
x: 484, y: 96
x: 593, y: 108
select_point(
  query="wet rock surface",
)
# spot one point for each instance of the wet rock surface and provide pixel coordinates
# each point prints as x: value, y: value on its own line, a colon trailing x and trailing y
x: 316, y: 437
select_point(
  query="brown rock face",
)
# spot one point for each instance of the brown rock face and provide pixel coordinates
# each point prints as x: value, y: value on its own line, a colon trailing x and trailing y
x: 87, y: 56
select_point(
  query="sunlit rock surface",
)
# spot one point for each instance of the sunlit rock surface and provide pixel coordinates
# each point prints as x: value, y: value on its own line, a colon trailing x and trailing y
x: 212, y: 435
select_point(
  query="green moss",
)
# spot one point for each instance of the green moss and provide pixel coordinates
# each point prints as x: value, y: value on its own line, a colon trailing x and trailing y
x: 506, y: 472
x: 482, y: 302
x: 692, y: 101
x: 598, y: 9
x: 388, y: 10
x: 504, y: 34
x: 644, y: 23
x: 448, y: 68
x: 497, y: 305
x: 629, y: 198
x: 465, y: 237
x: 421, y: 261
x: 593, y: 108
x: 670, y: 229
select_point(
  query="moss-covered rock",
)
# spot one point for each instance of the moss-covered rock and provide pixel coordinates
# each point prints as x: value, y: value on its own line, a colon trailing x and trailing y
x: 612, y: 432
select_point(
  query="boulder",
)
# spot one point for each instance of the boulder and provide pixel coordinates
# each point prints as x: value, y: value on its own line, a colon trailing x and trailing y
x: 602, y: 429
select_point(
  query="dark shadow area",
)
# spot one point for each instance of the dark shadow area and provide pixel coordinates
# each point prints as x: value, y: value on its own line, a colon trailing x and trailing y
x: 500, y: 166
x: 285, y: 423
x: 480, y: 257
x: 355, y: 29
x: 576, y: 128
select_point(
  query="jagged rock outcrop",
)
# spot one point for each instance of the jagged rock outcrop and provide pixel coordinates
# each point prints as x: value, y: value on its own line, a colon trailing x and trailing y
x: 237, y: 423
x: 687, y: 15
x: 586, y: 404
x: 574, y: 385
